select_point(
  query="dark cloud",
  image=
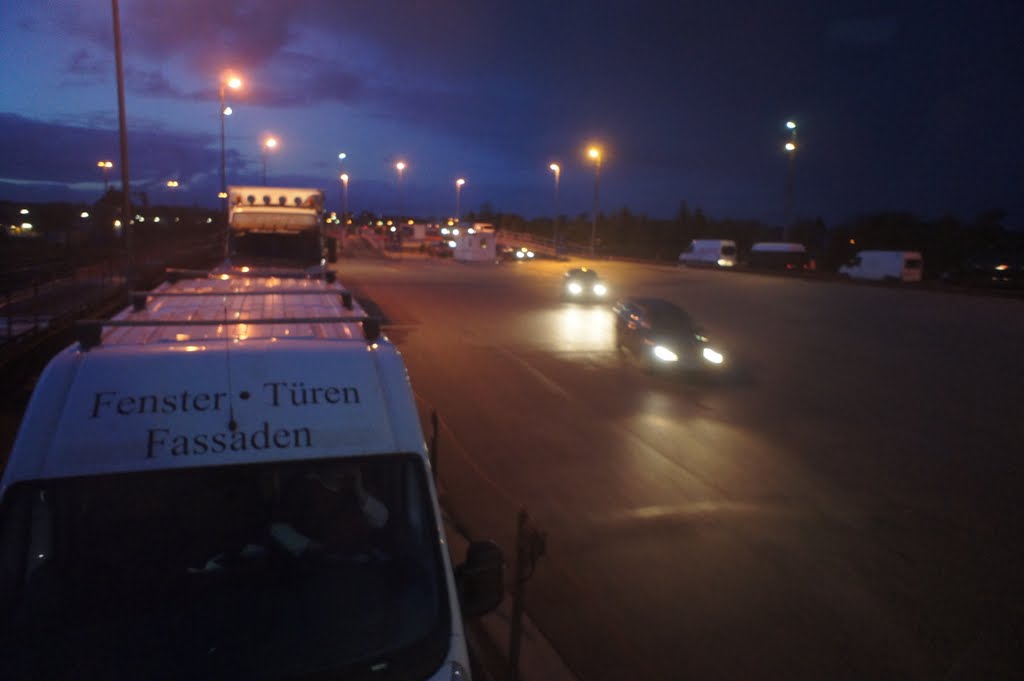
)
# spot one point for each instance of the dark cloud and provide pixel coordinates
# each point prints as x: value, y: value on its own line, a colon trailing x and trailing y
x: 42, y: 151
x: 86, y: 66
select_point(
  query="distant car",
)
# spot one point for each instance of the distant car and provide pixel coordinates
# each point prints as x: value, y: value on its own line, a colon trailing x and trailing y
x: 663, y: 336
x: 582, y: 283
x: 994, y: 269
x: 505, y: 254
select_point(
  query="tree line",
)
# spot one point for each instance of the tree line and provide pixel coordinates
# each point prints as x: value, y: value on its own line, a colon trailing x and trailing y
x: 944, y: 242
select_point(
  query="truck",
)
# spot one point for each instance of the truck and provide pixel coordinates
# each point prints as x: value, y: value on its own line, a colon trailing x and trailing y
x: 229, y: 478
x: 709, y: 253
x: 278, y: 227
x: 905, y: 266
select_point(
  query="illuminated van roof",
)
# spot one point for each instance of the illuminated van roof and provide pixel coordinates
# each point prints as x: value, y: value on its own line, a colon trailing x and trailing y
x: 293, y: 373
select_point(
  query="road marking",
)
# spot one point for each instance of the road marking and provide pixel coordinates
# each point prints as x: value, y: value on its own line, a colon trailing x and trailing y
x: 536, y: 373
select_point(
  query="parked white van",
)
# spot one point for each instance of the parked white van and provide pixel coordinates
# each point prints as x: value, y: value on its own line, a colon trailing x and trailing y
x: 904, y: 266
x: 709, y: 252
x: 779, y: 255
x: 229, y: 480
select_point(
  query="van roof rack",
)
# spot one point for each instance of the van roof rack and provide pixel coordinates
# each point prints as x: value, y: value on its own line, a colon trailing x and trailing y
x: 175, y: 274
x: 141, y: 298
x: 89, y: 331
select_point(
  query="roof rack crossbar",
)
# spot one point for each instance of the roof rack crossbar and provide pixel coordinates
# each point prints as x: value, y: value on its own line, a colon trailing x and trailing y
x: 282, y: 292
x: 225, y: 322
x: 90, y: 331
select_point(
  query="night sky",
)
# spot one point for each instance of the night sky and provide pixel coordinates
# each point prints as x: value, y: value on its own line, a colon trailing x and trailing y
x: 904, y: 105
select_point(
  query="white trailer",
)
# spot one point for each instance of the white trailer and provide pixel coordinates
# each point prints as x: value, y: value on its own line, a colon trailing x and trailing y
x: 906, y: 266
x: 475, y: 243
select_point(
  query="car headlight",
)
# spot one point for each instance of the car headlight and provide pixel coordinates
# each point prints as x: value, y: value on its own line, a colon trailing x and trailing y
x: 713, y: 356
x: 600, y: 289
x: 529, y: 254
x: 664, y: 354
x: 575, y: 288
x: 520, y: 254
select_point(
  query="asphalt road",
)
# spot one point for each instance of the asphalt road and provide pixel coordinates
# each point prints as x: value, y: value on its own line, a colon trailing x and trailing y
x: 843, y: 504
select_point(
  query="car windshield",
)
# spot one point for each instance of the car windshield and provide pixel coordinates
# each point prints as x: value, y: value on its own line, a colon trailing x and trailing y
x: 234, y: 572
x: 588, y: 275
x: 671, y: 319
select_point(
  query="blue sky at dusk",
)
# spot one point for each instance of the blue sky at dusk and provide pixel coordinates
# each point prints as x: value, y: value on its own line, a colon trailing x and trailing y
x: 900, y: 105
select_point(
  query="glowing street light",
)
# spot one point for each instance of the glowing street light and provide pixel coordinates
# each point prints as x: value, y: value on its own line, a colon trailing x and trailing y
x: 105, y: 166
x: 595, y: 155
x: 400, y: 167
x: 234, y: 83
x: 173, y: 184
x: 790, y: 147
x: 344, y: 192
x: 557, y: 170
x: 342, y: 156
x: 458, y: 197
x: 268, y: 143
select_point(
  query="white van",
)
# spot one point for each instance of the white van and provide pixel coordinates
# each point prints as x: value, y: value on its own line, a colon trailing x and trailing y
x: 779, y: 255
x: 904, y: 266
x: 709, y: 252
x: 229, y: 479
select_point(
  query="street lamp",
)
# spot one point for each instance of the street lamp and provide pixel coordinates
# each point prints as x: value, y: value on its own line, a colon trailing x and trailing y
x: 458, y: 192
x: 105, y: 166
x: 269, y: 143
x: 122, y: 127
x: 400, y: 167
x: 344, y: 193
x: 557, y: 170
x: 233, y: 82
x: 790, y: 148
x: 595, y: 155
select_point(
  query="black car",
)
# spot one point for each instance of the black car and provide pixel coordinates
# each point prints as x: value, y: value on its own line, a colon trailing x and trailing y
x: 993, y: 269
x: 583, y: 283
x: 662, y: 335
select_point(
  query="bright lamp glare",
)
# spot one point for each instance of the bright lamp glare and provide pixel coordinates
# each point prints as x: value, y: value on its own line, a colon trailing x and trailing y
x: 664, y: 354
x: 712, y: 356
x: 600, y: 289
x: 575, y: 288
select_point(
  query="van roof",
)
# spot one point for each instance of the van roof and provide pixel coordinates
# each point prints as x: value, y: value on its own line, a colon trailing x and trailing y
x: 238, y: 306
x: 291, y: 375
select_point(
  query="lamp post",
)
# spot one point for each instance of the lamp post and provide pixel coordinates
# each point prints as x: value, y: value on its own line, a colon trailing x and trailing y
x: 269, y: 143
x: 790, y: 148
x: 233, y: 82
x: 458, y: 192
x: 400, y: 167
x: 344, y: 196
x: 557, y: 170
x: 126, y: 206
x: 595, y: 154
x: 105, y: 166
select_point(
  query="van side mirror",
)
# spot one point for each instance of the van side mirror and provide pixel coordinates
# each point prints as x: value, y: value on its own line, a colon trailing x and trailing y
x: 480, y: 579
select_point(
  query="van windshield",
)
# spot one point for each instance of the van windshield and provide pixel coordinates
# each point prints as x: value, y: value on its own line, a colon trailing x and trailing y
x: 258, y: 572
